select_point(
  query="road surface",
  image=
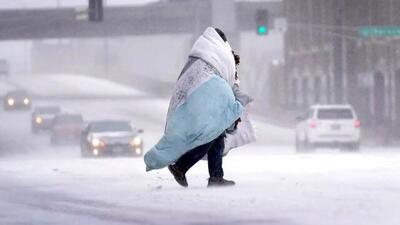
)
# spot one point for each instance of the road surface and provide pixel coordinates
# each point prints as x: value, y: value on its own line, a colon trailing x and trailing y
x: 40, y: 184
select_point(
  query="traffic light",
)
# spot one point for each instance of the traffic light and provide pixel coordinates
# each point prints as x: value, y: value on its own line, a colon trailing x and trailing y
x: 262, y: 21
x: 96, y: 10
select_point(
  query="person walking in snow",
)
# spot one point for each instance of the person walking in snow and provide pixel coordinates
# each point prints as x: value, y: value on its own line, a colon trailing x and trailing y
x: 214, y: 149
x: 202, y: 108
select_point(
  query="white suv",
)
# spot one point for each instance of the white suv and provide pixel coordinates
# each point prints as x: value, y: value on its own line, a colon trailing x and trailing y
x: 328, y: 126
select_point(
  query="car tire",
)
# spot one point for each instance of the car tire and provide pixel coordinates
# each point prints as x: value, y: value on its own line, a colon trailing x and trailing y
x: 54, y: 140
x: 301, y: 146
x: 298, y: 145
x: 134, y: 155
x: 34, y: 130
x: 311, y: 147
x: 84, y: 153
x: 355, y: 147
x: 352, y: 147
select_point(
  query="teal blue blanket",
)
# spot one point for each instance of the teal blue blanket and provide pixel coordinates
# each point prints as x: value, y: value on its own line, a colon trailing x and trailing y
x: 206, y: 113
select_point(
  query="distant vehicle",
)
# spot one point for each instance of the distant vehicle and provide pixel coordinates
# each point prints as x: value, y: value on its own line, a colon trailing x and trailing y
x: 17, y: 100
x: 66, y: 128
x: 4, y: 68
x: 328, y: 126
x: 42, y: 118
x: 111, y: 138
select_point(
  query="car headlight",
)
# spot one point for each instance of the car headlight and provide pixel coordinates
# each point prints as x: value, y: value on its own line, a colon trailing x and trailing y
x: 97, y: 142
x: 39, y: 120
x: 138, y: 151
x: 95, y: 152
x: 136, y: 141
x: 26, y: 101
x: 11, y: 101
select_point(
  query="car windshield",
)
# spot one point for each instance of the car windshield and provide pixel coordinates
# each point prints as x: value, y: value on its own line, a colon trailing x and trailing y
x: 18, y: 94
x: 48, y: 110
x: 330, y: 114
x: 69, y: 120
x: 111, y: 127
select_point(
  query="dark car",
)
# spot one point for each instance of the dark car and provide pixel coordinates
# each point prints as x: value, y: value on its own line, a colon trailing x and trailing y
x: 111, y: 138
x: 66, y: 128
x: 17, y: 100
x: 42, y: 118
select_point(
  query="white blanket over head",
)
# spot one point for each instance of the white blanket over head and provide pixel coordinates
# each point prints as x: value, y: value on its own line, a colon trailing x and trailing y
x: 211, y: 48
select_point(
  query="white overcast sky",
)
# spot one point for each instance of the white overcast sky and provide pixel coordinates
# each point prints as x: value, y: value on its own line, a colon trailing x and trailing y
x: 13, y: 4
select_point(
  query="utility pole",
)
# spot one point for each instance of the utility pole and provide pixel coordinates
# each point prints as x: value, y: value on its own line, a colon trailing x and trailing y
x: 106, y: 52
x: 106, y: 48
x: 339, y: 54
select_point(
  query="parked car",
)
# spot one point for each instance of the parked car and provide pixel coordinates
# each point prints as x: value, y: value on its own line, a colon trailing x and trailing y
x: 66, y: 128
x: 111, y: 138
x: 42, y: 118
x: 17, y: 100
x: 328, y: 126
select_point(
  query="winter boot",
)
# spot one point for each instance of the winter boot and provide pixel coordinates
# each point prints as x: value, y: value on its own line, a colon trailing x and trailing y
x: 178, y: 175
x: 219, y: 182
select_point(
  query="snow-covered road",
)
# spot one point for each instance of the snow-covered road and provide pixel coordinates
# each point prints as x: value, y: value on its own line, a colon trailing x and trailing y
x: 40, y: 184
x: 272, y: 188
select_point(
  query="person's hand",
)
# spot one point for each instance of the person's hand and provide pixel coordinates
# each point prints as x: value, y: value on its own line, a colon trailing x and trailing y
x: 236, y: 57
x: 237, y: 61
x: 237, y: 123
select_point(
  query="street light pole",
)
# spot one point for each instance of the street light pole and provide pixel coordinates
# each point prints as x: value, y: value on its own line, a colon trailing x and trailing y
x: 106, y: 47
x: 338, y: 55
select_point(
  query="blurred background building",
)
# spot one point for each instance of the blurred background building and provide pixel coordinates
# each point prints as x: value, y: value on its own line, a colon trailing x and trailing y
x: 326, y: 51
x: 147, y: 44
x: 345, y: 51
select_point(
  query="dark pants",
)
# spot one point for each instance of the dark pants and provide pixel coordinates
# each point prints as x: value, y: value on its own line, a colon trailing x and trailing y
x: 214, y: 151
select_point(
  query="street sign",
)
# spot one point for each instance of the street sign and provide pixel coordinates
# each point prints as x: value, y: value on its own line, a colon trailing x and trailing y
x: 379, y: 31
